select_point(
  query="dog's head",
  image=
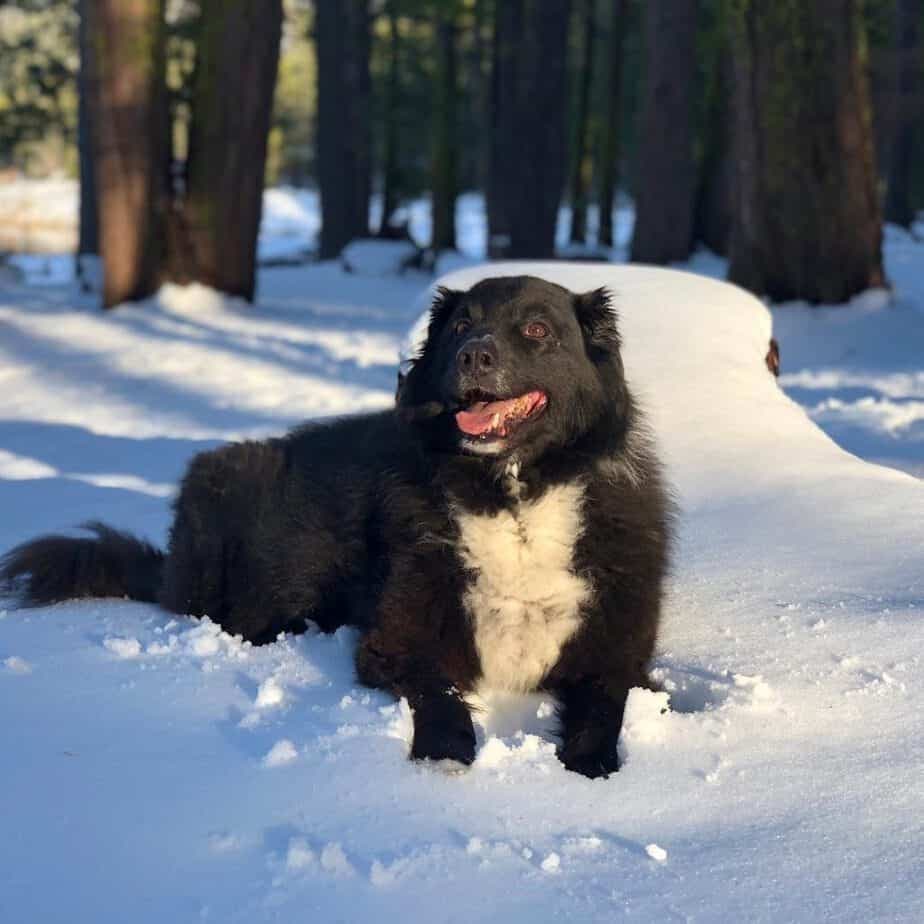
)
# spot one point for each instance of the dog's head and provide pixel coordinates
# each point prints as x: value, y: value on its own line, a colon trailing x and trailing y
x: 517, y: 366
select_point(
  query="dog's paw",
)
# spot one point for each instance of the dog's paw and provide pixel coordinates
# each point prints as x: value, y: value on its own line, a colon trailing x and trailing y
x: 590, y: 758
x: 443, y: 731
x: 456, y: 744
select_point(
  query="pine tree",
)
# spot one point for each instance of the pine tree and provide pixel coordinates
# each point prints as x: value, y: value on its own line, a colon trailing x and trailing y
x: 445, y: 142
x: 908, y: 141
x: 528, y: 153
x: 342, y: 33
x: 612, y: 125
x: 127, y: 100
x: 236, y: 65
x: 581, y: 163
x: 665, y: 174
x: 807, y: 223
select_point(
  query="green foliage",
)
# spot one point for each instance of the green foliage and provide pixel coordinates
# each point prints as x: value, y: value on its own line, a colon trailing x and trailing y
x: 290, y: 155
x: 38, y: 96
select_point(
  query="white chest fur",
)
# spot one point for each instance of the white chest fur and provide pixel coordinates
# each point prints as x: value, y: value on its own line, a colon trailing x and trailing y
x: 525, y: 600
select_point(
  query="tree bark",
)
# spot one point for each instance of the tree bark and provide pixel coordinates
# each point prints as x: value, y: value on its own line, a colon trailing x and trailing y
x: 445, y: 142
x: 582, y: 164
x: 344, y: 176
x: 126, y: 81
x: 666, y: 172
x: 390, y: 167
x: 528, y: 162
x: 712, y: 210
x: 609, y: 155
x: 906, y: 144
x: 237, y: 58
x: 807, y: 219
x: 88, y: 240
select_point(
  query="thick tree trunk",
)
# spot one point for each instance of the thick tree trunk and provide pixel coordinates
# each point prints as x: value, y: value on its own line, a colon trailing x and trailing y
x: 445, y: 142
x: 610, y: 150
x: 88, y: 241
x: 390, y: 167
x: 907, y: 143
x: 237, y: 57
x: 127, y: 90
x: 582, y: 164
x: 529, y: 153
x: 807, y: 219
x: 712, y: 211
x: 665, y: 173
x: 343, y: 37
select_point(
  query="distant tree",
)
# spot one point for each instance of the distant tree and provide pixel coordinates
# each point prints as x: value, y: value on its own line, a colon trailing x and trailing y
x: 581, y: 161
x: 88, y: 240
x: 528, y: 150
x: 235, y: 74
x: 712, y: 208
x: 342, y: 36
x: 128, y: 118
x: 391, y: 180
x: 665, y: 177
x: 612, y: 120
x: 807, y: 223
x: 908, y: 140
x: 38, y: 71
x: 445, y: 138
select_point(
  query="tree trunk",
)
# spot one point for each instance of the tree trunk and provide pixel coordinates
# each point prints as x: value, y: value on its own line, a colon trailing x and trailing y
x: 609, y: 155
x: 88, y: 241
x: 508, y: 19
x: 528, y: 163
x: 582, y: 164
x: 909, y: 111
x: 390, y: 168
x: 219, y: 221
x: 807, y: 220
x: 342, y: 42
x: 665, y: 173
x: 445, y: 142
x: 712, y: 210
x: 128, y: 105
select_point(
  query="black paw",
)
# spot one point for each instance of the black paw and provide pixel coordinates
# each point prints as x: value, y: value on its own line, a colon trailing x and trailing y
x: 590, y: 756
x: 443, y: 731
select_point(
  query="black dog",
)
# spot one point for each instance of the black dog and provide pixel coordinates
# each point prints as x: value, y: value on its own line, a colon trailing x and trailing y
x: 505, y: 527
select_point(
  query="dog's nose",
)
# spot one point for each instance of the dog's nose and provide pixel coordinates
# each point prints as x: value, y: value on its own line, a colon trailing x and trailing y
x: 477, y: 355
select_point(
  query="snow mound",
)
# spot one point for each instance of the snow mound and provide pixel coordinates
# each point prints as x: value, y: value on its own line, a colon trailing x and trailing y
x: 379, y: 257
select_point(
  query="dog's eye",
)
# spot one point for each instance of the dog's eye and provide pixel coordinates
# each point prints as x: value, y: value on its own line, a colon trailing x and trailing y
x: 536, y: 330
x: 462, y: 325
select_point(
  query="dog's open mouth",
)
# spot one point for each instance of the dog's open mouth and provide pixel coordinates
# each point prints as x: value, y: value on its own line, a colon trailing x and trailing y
x: 485, y: 416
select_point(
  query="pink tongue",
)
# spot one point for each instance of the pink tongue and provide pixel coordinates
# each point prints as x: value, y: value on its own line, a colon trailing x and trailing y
x: 479, y: 418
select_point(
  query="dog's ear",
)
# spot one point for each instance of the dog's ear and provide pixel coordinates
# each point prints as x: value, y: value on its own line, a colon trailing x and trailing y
x: 597, y: 317
x: 444, y: 303
x: 414, y: 394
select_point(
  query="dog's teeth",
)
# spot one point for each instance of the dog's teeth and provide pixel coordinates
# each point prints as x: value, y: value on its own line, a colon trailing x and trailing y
x: 495, y: 420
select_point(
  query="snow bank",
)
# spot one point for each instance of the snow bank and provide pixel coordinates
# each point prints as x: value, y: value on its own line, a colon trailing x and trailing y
x: 376, y: 257
x: 199, y: 777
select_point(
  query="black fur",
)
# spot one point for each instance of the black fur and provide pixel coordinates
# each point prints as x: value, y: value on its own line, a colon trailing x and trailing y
x: 353, y: 522
x: 112, y: 564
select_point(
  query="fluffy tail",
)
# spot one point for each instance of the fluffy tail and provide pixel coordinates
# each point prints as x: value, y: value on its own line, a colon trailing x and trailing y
x: 111, y: 564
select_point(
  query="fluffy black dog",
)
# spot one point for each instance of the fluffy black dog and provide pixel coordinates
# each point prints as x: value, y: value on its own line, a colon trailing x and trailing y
x: 504, y: 527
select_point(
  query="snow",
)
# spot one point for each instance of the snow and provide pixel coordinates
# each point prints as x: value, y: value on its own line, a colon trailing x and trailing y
x: 372, y: 257
x: 160, y: 768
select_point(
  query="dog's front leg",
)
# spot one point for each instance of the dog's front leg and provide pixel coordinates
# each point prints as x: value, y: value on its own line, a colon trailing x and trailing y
x: 591, y: 714
x: 443, y: 727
